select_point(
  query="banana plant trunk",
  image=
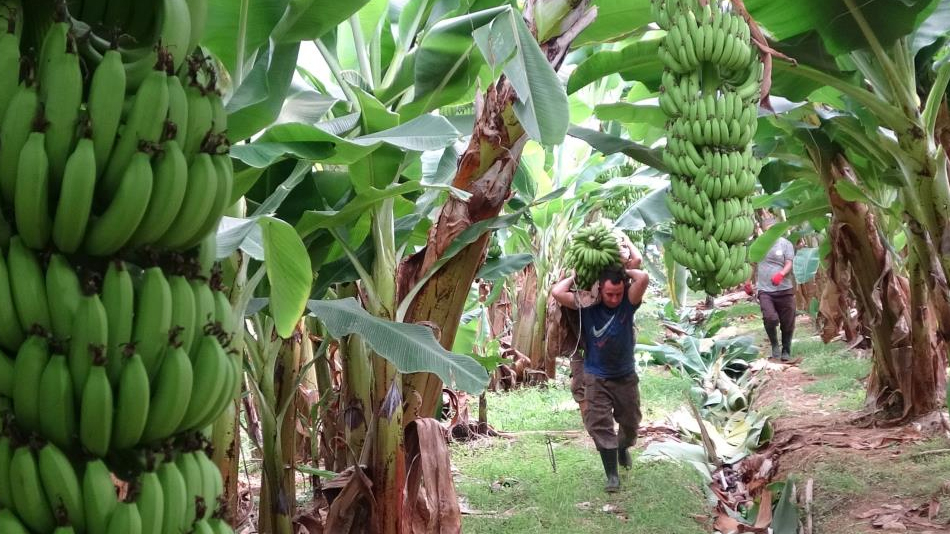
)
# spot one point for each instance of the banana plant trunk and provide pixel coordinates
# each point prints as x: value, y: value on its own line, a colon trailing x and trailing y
x: 907, y: 378
x: 485, y: 170
x: 278, y: 485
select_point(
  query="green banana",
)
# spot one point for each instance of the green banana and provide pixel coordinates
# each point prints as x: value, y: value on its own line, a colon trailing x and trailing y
x: 53, y: 47
x: 105, y: 106
x: 90, y: 336
x: 224, y: 172
x: 199, y: 200
x: 113, y: 229
x: 200, y: 119
x: 6, y: 377
x: 131, y: 404
x: 61, y: 95
x: 9, y: 63
x: 125, y: 519
x: 204, y: 309
x: 31, y: 196
x: 145, y: 123
x: 198, y: 10
x: 178, y: 109
x: 175, y: 498
x: 183, y: 311
x: 153, y: 317
x: 118, y: 298
x: 96, y: 411
x: 174, y: 19
x: 191, y: 473
x: 11, y: 333
x: 57, y: 403
x: 170, y: 183
x: 151, y: 503
x: 61, y: 485
x: 6, y: 491
x: 202, y: 527
x: 211, y: 371
x: 99, y: 496
x: 10, y: 523
x: 219, y: 526
x: 28, y: 369
x: 29, y: 498
x: 211, y: 483
x: 76, y: 197
x: 62, y: 290
x: 15, y: 129
x: 207, y: 254
x: 172, y: 391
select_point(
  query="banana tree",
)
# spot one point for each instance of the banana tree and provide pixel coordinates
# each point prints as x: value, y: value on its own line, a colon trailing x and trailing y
x: 859, y: 60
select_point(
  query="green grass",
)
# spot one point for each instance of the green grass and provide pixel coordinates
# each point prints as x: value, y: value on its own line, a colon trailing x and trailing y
x: 513, y: 488
x: 840, y: 375
x: 743, y: 311
x: 841, y: 478
x: 533, y: 408
x: 552, y: 407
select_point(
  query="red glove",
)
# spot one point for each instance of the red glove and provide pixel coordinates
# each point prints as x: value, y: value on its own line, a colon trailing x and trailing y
x: 777, y: 279
x: 748, y: 288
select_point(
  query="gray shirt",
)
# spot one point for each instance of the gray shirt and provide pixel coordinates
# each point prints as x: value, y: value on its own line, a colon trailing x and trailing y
x: 773, y: 262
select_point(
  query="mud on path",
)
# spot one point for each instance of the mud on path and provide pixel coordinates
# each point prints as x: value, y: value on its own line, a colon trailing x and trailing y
x: 864, y: 479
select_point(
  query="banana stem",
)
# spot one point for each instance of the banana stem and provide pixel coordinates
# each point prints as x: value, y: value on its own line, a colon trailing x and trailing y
x: 934, y: 98
x: 361, y: 56
x: 337, y: 72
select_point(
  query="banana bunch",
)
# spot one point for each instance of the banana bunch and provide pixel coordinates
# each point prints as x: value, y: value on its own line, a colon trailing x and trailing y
x: 58, y: 494
x: 710, y: 92
x: 618, y: 199
x: 90, y: 172
x: 593, y: 248
x: 167, y: 372
x: 494, y: 247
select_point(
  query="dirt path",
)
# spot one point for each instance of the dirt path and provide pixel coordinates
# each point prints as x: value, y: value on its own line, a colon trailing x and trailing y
x: 864, y: 479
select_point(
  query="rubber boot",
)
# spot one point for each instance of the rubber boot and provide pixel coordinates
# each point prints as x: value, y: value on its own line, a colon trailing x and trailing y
x: 786, y: 345
x: 623, y: 453
x: 609, y: 458
x: 770, y: 330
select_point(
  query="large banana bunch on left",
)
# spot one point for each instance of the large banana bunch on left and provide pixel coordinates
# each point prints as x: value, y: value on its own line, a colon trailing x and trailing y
x: 710, y: 92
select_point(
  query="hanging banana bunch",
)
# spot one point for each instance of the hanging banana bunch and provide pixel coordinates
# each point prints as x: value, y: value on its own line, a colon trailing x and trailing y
x: 114, y: 357
x: 710, y: 92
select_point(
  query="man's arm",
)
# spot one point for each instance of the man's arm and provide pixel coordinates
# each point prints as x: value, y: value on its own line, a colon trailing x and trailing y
x: 562, y: 293
x: 779, y: 276
x: 629, y: 254
x: 638, y: 285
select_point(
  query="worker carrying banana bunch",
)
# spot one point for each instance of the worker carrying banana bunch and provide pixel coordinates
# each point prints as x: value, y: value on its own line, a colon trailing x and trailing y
x: 606, y: 286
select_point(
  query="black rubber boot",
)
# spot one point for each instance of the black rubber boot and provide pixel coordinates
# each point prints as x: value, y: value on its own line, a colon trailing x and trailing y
x: 786, y: 345
x: 770, y: 330
x: 609, y: 458
x: 623, y: 453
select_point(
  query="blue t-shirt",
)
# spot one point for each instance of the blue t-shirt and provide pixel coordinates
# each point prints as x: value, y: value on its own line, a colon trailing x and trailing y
x: 609, y: 339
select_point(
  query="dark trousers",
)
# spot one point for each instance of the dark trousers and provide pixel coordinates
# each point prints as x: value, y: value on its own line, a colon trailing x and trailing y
x: 778, y: 309
x: 610, y: 400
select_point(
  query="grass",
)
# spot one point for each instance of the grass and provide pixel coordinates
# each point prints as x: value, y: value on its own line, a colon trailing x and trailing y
x: 511, y: 486
x: 842, y: 478
x: 841, y: 375
x: 742, y: 311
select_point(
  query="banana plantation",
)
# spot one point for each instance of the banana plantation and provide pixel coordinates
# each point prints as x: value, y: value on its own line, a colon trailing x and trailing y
x: 315, y: 266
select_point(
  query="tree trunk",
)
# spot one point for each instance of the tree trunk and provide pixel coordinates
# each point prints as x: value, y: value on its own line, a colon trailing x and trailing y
x: 907, y: 378
x: 485, y: 170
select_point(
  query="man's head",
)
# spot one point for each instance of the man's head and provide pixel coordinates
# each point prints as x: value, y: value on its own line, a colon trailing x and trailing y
x: 612, y: 288
x: 767, y: 222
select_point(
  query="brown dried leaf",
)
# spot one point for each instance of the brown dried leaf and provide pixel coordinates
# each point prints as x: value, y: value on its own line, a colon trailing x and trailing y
x: 430, y: 491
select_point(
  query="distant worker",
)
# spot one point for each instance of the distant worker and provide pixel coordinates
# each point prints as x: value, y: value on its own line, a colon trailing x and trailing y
x: 775, y: 284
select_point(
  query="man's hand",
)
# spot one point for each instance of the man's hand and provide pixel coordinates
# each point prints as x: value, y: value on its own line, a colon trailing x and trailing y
x: 777, y: 278
x: 748, y: 288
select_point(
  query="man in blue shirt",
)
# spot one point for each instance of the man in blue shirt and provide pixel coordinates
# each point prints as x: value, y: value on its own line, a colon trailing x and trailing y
x: 609, y: 376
